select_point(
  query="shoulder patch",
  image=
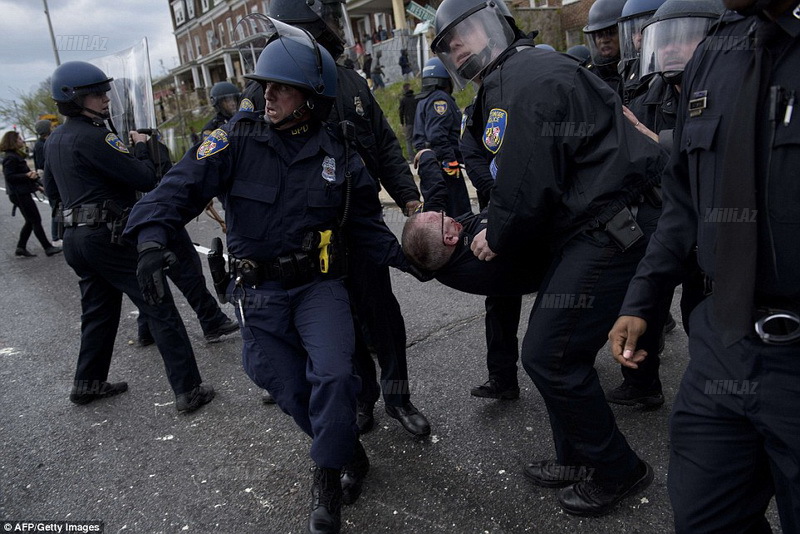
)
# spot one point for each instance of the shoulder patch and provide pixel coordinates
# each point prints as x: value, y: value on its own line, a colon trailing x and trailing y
x: 217, y: 141
x: 116, y: 143
x: 440, y: 106
x: 246, y: 105
x: 495, y: 129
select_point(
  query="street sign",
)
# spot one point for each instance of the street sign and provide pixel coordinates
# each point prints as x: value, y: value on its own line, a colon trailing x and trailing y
x: 426, y: 13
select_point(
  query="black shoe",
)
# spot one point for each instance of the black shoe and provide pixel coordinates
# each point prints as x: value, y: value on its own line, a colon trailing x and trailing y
x: 353, y: 474
x: 551, y: 474
x: 365, y: 419
x: 145, y: 340
x: 24, y: 253
x: 326, y: 502
x: 493, y: 390
x: 670, y: 325
x: 191, y: 401
x: 410, y: 418
x: 228, y: 327
x: 52, y: 251
x: 629, y: 395
x: 86, y: 395
x: 588, y: 498
x: 268, y: 398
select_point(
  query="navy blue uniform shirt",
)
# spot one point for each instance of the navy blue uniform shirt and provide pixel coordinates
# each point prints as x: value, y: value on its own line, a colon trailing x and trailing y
x: 276, y: 189
x: 438, y: 125
x: 565, y: 156
x: 89, y: 164
x: 692, y: 187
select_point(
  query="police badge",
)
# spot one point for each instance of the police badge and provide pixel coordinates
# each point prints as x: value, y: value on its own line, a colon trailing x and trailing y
x: 495, y: 129
x: 116, y: 143
x: 217, y: 141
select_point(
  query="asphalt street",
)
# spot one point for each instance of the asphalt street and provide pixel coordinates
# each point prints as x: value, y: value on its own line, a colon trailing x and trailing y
x: 238, y: 466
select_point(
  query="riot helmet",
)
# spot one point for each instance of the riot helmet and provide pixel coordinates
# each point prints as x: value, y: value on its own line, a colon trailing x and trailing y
x: 326, y: 20
x: 72, y: 81
x: 224, y: 96
x: 602, y: 36
x: 545, y: 46
x: 634, y: 15
x: 672, y: 34
x: 292, y: 57
x: 470, y: 34
x: 435, y: 76
x: 581, y: 53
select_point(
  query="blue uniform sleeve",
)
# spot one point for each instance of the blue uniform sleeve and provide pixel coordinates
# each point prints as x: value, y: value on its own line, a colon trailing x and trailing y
x: 441, y: 116
x: 664, y: 264
x: 182, y: 195
x: 369, y: 236
x: 476, y: 163
x: 133, y: 170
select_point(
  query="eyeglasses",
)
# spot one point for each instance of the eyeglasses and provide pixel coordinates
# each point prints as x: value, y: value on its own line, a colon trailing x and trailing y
x: 442, y: 214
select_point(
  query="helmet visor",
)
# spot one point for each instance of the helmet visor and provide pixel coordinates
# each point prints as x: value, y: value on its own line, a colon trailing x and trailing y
x: 469, y: 45
x: 604, y: 45
x: 630, y: 36
x: 256, y: 30
x: 334, y: 15
x: 667, y: 45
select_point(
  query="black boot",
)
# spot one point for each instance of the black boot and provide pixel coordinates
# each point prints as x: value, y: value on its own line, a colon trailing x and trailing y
x: 353, y: 475
x: 326, y: 502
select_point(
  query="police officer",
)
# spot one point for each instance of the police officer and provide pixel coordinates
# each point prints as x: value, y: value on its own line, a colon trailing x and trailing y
x: 732, y: 193
x: 502, y: 310
x: 188, y: 276
x: 571, y: 168
x: 602, y: 38
x: 97, y: 177
x: 669, y: 39
x: 224, y: 96
x: 437, y: 127
x: 635, y: 13
x: 286, y: 184
x: 370, y: 287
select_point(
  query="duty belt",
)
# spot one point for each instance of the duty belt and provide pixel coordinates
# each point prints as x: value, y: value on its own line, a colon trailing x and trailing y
x: 291, y: 270
x: 87, y: 215
x: 774, y: 323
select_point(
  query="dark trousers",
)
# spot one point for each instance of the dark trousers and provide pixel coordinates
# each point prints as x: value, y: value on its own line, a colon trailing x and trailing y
x: 379, y: 314
x: 106, y: 271
x: 189, y: 279
x: 502, y: 345
x: 575, y: 308
x: 734, y: 433
x: 298, y: 345
x: 33, y: 220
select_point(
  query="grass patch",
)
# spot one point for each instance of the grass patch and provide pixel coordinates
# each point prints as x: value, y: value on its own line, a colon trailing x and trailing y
x: 389, y: 100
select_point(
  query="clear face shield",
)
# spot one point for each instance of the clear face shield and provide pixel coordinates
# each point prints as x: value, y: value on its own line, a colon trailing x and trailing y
x: 667, y: 45
x: 227, y: 105
x: 467, y: 46
x: 604, y: 45
x: 630, y: 36
x: 256, y: 30
x: 334, y: 14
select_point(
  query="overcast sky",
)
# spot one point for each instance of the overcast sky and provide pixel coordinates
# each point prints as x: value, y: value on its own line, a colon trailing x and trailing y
x: 27, y: 59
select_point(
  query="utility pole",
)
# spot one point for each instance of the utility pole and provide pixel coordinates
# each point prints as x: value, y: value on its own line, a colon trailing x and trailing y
x: 52, y: 36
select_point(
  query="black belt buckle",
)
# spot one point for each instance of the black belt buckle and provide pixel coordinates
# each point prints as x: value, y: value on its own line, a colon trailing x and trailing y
x: 778, y: 327
x: 248, y: 270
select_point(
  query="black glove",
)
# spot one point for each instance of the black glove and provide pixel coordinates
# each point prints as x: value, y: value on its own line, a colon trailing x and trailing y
x: 154, y: 260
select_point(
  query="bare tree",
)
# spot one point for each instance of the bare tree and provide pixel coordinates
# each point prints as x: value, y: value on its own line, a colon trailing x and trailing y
x: 26, y: 108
